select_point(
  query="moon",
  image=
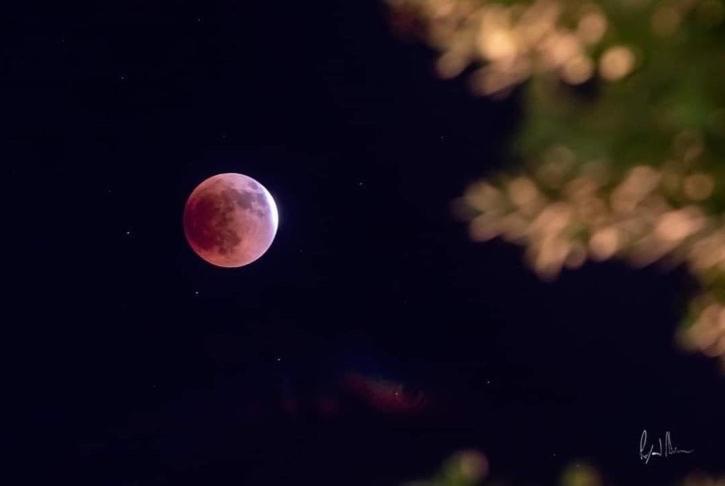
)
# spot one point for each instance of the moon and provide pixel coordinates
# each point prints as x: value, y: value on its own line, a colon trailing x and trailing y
x: 230, y: 220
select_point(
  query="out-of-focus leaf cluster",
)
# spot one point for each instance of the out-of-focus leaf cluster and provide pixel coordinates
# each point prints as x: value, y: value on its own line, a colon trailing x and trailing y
x: 470, y: 468
x: 621, y: 151
x: 465, y: 468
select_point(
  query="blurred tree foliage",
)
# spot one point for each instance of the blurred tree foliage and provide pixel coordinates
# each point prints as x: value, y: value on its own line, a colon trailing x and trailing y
x: 470, y: 468
x: 622, y: 147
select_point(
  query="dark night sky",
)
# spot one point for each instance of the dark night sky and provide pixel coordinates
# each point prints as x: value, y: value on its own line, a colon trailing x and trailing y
x: 140, y: 364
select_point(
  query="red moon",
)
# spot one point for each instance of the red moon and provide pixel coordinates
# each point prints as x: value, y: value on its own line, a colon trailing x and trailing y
x: 230, y: 220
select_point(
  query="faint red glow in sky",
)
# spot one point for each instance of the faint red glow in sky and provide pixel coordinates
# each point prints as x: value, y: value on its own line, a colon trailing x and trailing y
x: 385, y: 396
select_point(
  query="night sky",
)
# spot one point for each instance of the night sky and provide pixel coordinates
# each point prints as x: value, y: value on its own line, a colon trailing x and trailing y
x: 140, y: 364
